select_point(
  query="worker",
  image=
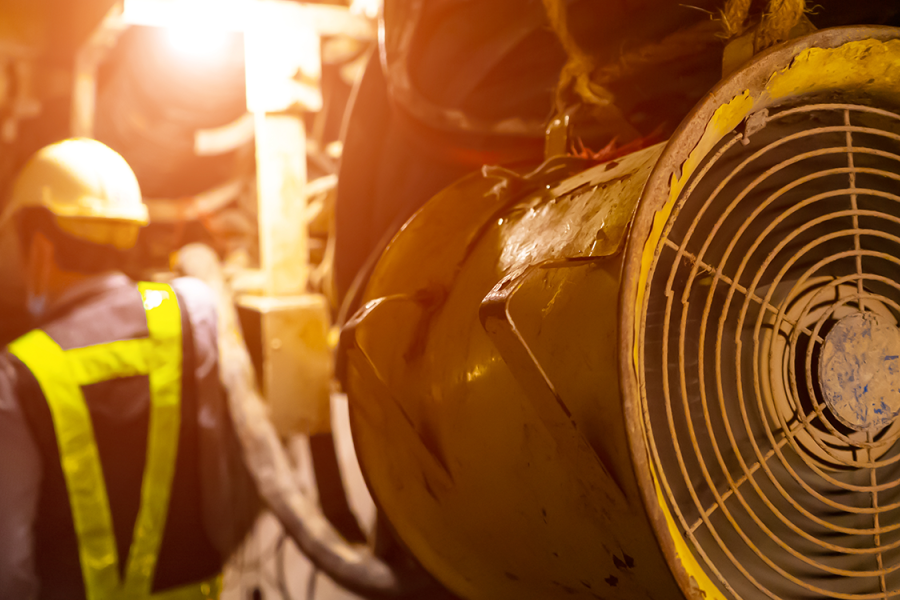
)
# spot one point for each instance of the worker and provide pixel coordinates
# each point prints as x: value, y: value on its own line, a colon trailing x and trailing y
x: 120, y: 471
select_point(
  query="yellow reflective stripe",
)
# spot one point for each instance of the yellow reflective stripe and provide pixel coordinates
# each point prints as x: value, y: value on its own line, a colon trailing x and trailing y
x: 93, y: 364
x: 207, y: 590
x: 80, y: 461
x: 164, y: 324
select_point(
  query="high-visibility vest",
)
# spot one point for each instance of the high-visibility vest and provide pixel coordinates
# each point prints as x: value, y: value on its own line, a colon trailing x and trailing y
x: 61, y: 375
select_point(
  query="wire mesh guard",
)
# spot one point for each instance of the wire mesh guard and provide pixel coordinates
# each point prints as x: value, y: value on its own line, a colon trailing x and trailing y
x: 770, y: 356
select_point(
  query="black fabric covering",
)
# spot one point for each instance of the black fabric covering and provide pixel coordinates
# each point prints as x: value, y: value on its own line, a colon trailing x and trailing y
x: 120, y: 417
x: 122, y: 443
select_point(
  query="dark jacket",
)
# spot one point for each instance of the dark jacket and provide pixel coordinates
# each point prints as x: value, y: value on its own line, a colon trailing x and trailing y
x: 212, y: 503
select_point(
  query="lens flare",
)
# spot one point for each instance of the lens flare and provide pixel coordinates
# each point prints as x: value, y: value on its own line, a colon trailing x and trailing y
x: 197, y: 41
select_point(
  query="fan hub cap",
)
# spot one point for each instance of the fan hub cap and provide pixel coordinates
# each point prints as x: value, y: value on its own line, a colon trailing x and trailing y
x: 860, y: 371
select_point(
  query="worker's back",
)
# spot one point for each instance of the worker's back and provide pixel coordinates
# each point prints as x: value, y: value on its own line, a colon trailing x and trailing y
x: 198, y: 529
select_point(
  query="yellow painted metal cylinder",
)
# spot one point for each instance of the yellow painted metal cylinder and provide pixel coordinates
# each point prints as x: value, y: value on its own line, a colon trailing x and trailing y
x: 484, y: 388
x: 497, y: 373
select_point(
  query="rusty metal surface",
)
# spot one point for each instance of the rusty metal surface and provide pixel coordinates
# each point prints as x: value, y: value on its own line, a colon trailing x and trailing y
x: 481, y: 375
x: 785, y: 226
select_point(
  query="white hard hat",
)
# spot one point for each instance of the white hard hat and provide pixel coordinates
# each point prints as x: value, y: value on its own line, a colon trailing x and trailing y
x: 88, y: 187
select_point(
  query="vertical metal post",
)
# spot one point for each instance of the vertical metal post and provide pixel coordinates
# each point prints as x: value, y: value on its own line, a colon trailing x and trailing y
x: 283, y: 70
x: 87, y: 61
x: 84, y: 96
x: 281, y: 183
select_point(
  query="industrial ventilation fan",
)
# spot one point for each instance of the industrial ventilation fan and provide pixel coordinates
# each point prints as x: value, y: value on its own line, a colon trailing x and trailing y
x: 675, y: 374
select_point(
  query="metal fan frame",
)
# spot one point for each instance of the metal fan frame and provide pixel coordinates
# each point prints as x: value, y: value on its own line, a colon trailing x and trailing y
x: 692, y: 138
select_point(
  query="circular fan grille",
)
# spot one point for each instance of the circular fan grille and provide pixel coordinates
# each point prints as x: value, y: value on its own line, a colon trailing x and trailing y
x: 770, y: 356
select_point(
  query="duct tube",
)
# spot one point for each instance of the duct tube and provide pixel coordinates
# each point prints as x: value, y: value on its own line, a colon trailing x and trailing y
x: 152, y: 101
x: 353, y: 567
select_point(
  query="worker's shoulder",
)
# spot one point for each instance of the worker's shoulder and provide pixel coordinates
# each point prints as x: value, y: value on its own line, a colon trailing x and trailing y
x: 194, y: 289
x: 8, y: 378
x: 5, y: 362
x: 191, y: 286
x: 197, y: 298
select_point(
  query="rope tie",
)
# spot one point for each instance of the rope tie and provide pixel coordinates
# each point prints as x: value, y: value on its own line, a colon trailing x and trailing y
x: 733, y: 17
x: 777, y: 21
x: 583, y: 81
x: 577, y: 72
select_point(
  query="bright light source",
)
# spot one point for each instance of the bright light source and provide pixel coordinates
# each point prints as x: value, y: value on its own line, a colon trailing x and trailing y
x: 194, y: 28
x: 369, y: 8
x: 198, y: 41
